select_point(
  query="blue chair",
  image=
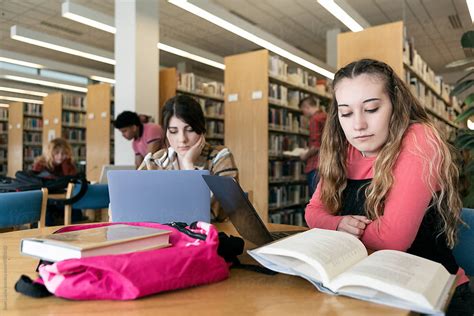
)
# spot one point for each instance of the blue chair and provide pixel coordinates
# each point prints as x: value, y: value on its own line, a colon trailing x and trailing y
x: 96, y: 198
x: 19, y: 208
x: 464, y: 249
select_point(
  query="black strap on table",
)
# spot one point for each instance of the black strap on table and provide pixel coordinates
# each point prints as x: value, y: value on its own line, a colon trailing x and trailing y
x: 29, y: 288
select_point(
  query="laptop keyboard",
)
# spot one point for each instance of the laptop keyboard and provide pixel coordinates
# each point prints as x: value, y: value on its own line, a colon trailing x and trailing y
x: 283, y: 234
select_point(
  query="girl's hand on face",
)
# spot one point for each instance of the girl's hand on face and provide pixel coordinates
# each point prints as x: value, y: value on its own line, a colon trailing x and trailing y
x: 353, y: 224
x: 193, y: 153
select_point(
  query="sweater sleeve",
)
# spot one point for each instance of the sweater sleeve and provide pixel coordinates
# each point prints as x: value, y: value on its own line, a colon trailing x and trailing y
x: 317, y: 215
x: 409, y: 196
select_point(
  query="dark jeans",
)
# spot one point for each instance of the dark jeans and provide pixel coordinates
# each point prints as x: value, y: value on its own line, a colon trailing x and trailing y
x: 462, y: 303
x: 313, y: 179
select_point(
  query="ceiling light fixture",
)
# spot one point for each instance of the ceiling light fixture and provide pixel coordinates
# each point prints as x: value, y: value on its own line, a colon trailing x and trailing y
x: 21, y: 91
x: 106, y: 23
x: 184, y: 4
x: 340, y: 14
x: 15, y: 99
x: 470, y: 7
x: 4, y: 105
x: 182, y: 53
x: 84, y: 15
x: 20, y: 62
x: 46, y: 83
x: 22, y: 34
x: 103, y: 79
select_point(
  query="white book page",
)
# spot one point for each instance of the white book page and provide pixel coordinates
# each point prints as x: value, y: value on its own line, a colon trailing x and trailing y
x: 408, y: 277
x: 326, y: 251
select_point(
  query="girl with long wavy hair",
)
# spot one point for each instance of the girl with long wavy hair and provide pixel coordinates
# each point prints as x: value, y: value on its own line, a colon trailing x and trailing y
x: 387, y: 176
x: 56, y: 161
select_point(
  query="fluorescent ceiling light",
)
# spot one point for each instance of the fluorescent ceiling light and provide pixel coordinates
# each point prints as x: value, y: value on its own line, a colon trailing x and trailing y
x: 106, y: 23
x: 20, y: 62
x: 470, y: 7
x: 15, y: 99
x: 341, y: 15
x: 184, y: 4
x: 62, y: 45
x: 87, y: 16
x: 182, y: 53
x: 103, y: 79
x: 21, y: 91
x: 46, y: 83
x: 4, y: 105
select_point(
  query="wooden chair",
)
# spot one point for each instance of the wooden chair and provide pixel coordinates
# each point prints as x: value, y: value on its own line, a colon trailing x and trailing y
x: 96, y: 198
x: 19, y: 208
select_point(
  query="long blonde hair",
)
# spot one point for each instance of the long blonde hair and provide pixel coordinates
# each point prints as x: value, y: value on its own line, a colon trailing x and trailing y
x: 55, y: 145
x: 406, y: 111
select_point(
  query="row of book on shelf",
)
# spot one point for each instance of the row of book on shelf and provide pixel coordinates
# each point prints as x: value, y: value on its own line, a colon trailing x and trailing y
x: 75, y: 118
x: 191, y: 82
x: 32, y: 137
x: 33, y: 123
x: 286, y: 170
x: 74, y: 102
x: 290, y: 216
x: 295, y: 75
x: 284, y: 120
x: 278, y: 143
x: 286, y: 96
x: 3, y: 114
x: 285, y: 195
x: 32, y: 109
x: 210, y: 107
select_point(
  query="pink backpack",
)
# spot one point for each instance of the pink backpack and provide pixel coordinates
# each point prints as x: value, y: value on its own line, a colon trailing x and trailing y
x: 191, y: 260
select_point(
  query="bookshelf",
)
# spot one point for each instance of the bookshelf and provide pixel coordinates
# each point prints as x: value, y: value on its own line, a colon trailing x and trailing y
x: 262, y: 93
x: 209, y: 94
x: 400, y: 53
x: 25, y: 136
x: 3, y: 141
x: 64, y: 115
x: 100, y: 113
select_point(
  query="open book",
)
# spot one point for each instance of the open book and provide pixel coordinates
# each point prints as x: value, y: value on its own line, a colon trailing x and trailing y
x: 296, y: 152
x: 337, y: 263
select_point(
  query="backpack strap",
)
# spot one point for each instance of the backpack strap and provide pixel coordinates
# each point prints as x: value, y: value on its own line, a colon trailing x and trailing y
x: 30, y: 288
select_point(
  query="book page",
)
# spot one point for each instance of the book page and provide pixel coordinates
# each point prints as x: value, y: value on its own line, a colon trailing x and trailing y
x: 326, y: 251
x: 408, y: 277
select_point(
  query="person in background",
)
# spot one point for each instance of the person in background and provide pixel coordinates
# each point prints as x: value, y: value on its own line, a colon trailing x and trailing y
x: 146, y: 137
x: 57, y: 161
x: 387, y: 176
x: 317, y: 118
x: 187, y: 149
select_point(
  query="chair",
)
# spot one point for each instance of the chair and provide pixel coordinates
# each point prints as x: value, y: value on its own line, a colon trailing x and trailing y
x: 464, y: 249
x: 18, y: 208
x: 96, y: 197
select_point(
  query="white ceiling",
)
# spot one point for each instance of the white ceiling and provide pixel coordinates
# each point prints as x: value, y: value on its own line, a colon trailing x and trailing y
x: 301, y: 23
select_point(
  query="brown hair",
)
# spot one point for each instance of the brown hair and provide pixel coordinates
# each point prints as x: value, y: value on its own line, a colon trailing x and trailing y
x: 406, y: 110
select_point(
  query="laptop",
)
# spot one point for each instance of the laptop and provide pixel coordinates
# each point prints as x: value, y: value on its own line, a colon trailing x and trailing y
x: 107, y: 168
x: 241, y: 212
x: 161, y: 196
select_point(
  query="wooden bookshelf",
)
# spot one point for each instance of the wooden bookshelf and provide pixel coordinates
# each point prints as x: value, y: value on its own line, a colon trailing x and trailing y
x: 211, y: 103
x: 400, y: 54
x: 64, y: 115
x: 100, y: 143
x: 250, y: 105
x: 4, y: 127
x: 25, y: 136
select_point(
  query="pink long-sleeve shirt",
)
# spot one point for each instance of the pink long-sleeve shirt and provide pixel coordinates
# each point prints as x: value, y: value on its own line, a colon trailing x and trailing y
x: 406, y: 202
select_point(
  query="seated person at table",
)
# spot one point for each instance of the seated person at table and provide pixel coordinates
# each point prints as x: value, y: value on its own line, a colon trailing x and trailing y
x: 387, y: 176
x: 57, y: 161
x: 187, y: 149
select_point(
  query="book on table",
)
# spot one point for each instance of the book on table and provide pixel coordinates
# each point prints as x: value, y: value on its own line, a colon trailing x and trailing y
x: 338, y: 263
x: 105, y: 240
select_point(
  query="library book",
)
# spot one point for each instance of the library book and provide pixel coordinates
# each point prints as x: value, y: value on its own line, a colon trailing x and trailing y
x: 338, y: 263
x: 99, y: 241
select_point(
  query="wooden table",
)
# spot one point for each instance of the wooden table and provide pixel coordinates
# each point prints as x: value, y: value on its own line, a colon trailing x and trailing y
x: 244, y: 293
